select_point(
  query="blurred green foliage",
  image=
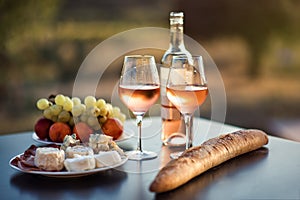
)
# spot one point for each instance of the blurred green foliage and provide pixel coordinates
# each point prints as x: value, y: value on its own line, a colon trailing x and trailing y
x: 17, y: 16
x: 44, y: 42
x: 255, y: 21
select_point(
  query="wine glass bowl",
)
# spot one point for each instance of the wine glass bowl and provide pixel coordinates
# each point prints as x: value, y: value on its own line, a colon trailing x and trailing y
x: 187, y: 98
x: 139, y: 98
x: 187, y: 88
x: 139, y: 89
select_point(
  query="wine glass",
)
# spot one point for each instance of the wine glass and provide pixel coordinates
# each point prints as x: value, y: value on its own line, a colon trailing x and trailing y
x: 139, y: 89
x: 187, y: 89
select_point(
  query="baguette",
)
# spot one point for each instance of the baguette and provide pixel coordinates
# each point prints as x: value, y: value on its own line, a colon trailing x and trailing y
x: 211, y: 153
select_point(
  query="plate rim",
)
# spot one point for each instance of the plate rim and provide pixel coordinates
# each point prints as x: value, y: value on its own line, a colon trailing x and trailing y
x: 66, y: 174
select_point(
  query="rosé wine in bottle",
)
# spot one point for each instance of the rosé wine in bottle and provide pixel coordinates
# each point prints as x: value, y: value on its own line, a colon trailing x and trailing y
x: 173, y: 128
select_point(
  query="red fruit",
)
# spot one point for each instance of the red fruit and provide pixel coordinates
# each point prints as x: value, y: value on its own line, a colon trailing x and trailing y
x: 58, y: 131
x: 112, y: 127
x: 83, y: 131
x: 42, y: 127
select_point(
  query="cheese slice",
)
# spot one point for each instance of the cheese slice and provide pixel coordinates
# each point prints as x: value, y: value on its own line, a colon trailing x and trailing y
x: 107, y: 158
x: 80, y: 163
x: 79, y: 150
x: 49, y: 158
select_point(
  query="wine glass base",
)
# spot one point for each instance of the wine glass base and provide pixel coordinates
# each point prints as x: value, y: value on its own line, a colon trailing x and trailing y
x: 175, y: 155
x: 141, y: 155
x: 175, y: 139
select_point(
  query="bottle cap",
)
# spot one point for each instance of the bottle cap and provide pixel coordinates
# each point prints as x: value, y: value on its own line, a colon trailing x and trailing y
x: 176, y: 18
x: 176, y: 14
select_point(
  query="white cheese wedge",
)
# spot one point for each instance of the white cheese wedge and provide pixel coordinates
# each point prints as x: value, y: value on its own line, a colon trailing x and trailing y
x: 49, y: 158
x: 79, y: 150
x: 107, y: 158
x: 99, y: 142
x: 80, y: 163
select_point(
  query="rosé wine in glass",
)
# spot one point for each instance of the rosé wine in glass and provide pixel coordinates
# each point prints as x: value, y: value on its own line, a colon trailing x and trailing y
x: 187, y: 98
x: 187, y: 90
x: 139, y: 98
x: 139, y: 89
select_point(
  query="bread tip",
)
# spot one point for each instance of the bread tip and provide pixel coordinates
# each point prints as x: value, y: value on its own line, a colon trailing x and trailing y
x: 155, y: 187
x: 152, y: 187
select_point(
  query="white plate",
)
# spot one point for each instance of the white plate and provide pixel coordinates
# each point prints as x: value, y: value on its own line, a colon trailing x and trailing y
x: 45, y: 141
x: 127, y: 134
x: 66, y: 174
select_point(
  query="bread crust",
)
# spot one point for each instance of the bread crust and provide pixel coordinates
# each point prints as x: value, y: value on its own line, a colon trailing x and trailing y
x: 211, y: 153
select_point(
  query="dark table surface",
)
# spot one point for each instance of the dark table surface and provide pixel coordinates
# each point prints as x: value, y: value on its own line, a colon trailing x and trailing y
x: 272, y: 172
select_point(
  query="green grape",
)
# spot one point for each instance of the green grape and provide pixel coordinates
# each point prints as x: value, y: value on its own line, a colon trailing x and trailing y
x: 100, y: 103
x: 84, y: 117
x: 109, y: 109
x: 110, y: 114
x: 60, y: 99
x: 92, y: 121
x: 109, y: 106
x: 42, y: 104
x: 77, y: 110
x: 54, y: 118
x: 83, y: 107
x: 64, y: 116
x: 56, y: 109
x: 48, y: 113
x: 90, y: 101
x: 95, y: 111
x: 76, y: 101
x: 68, y: 105
x: 122, y: 117
x: 116, y: 111
x: 103, y: 111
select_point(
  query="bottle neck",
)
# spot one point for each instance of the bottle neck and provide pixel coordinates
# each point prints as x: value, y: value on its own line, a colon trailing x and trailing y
x: 176, y: 38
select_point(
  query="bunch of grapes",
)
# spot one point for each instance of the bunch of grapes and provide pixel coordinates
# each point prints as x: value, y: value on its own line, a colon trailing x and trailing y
x: 94, y: 112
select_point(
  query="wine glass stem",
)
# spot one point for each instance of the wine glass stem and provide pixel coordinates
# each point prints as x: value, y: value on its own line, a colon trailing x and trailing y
x: 189, y: 131
x: 139, y: 119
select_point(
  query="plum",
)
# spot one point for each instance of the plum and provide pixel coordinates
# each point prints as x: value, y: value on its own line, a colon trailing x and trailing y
x: 42, y: 127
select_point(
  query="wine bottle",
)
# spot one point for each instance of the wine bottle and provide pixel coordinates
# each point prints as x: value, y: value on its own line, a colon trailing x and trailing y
x: 173, y: 128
